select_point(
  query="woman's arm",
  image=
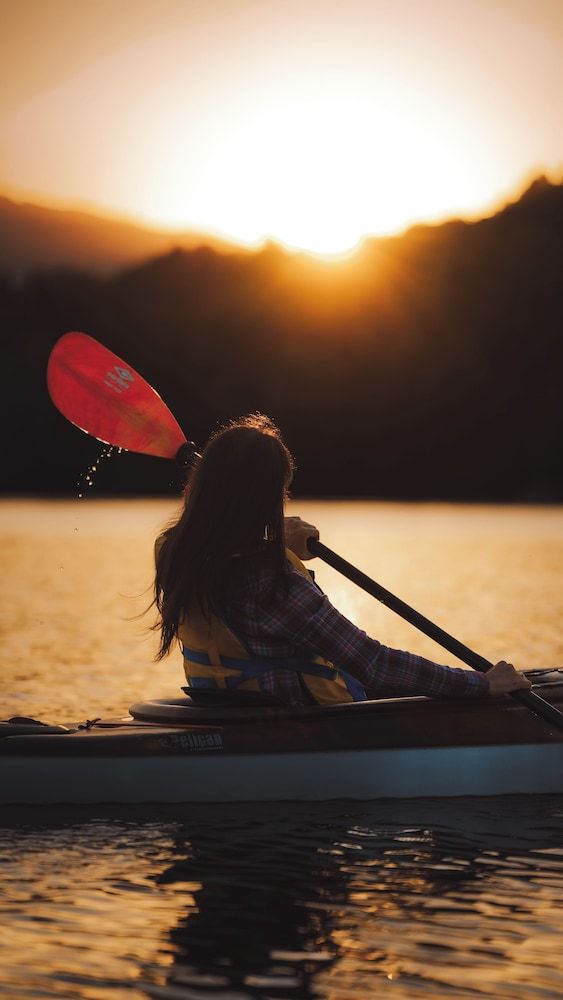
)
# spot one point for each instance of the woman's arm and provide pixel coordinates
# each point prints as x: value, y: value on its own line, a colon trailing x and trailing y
x: 306, y: 617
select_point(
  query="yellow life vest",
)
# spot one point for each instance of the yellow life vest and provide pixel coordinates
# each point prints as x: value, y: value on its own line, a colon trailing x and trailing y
x: 214, y: 657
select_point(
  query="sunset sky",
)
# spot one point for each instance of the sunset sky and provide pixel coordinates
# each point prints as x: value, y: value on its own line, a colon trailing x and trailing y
x: 313, y: 122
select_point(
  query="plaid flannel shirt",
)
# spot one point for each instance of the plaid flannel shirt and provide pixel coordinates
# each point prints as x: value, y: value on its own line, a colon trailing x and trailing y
x: 303, y: 622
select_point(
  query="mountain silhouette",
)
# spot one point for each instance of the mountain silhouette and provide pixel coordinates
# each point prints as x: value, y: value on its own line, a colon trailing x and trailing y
x: 427, y: 365
x: 33, y: 236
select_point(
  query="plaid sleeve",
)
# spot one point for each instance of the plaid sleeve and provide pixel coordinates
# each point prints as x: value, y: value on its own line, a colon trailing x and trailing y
x: 306, y: 617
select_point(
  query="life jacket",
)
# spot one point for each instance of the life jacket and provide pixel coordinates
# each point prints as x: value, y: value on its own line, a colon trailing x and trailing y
x: 214, y: 657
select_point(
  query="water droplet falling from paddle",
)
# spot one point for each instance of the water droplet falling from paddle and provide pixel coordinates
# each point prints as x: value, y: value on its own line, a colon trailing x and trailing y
x: 88, y: 476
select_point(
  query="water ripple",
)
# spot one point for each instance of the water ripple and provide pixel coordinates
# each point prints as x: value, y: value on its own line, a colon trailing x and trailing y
x: 427, y: 899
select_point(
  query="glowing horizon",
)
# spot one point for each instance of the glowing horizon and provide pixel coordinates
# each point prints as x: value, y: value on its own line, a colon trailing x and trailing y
x: 115, y: 215
x: 248, y: 124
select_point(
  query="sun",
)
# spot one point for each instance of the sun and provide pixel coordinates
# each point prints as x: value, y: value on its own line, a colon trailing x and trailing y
x: 314, y: 167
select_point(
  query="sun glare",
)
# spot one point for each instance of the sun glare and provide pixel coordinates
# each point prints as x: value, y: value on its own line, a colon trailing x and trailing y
x: 316, y: 167
x: 313, y: 123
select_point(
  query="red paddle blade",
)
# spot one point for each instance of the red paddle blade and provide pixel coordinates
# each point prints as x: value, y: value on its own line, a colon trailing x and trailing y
x: 103, y: 396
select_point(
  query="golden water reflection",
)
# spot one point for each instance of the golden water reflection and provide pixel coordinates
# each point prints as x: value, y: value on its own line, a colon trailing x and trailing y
x: 461, y: 898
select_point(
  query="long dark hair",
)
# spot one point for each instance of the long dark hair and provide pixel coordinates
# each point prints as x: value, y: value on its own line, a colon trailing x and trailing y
x: 233, y: 506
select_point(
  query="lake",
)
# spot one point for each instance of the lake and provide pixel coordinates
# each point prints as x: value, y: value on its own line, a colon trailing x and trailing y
x: 427, y: 898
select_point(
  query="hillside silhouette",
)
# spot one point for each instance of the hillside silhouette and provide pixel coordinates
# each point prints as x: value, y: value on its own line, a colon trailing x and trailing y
x: 428, y: 365
x: 33, y: 236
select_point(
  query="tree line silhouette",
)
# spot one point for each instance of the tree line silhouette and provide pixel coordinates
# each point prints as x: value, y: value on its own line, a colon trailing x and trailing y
x: 426, y: 365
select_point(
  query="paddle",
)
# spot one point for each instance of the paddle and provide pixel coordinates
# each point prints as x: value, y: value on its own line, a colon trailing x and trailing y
x: 103, y: 396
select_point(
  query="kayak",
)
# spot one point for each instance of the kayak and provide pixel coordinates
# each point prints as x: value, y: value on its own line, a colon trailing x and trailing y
x: 220, y: 746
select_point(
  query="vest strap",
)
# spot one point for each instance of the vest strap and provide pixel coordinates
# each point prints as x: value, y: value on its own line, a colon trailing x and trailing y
x: 257, y: 666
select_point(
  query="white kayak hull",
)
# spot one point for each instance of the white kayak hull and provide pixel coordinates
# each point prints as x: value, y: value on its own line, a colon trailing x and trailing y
x: 363, y: 774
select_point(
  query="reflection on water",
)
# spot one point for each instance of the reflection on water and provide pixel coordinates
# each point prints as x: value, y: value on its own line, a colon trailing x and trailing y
x: 436, y: 899
x: 343, y: 901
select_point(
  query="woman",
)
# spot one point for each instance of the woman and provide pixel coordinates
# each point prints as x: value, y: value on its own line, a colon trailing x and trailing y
x: 231, y: 587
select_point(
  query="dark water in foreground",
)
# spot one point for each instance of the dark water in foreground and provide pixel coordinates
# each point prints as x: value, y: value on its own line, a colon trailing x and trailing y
x: 430, y: 898
x: 343, y: 901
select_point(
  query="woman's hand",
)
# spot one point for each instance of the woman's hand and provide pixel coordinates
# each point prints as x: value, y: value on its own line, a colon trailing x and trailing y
x: 296, y: 534
x: 504, y: 678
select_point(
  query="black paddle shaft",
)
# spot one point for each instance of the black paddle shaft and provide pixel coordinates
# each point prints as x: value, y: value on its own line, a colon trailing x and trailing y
x: 463, y: 653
